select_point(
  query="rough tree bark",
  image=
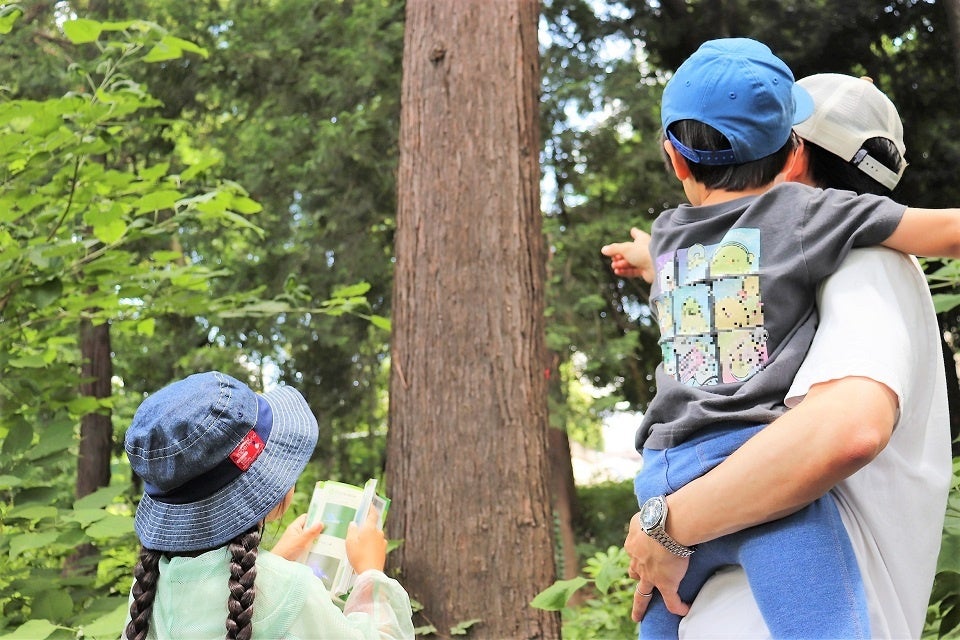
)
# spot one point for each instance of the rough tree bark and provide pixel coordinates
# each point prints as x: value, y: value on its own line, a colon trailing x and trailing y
x: 466, y: 450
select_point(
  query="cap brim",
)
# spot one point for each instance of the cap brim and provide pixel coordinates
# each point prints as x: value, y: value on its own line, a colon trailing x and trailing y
x: 245, y: 501
x: 803, y: 105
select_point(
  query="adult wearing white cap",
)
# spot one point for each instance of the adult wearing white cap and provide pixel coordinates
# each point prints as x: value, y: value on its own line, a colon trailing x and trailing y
x: 874, y: 374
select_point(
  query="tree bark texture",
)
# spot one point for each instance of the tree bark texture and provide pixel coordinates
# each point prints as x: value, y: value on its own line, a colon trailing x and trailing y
x: 466, y: 454
x: 96, y: 429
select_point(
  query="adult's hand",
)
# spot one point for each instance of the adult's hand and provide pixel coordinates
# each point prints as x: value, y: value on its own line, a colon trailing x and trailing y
x: 655, y: 568
x: 631, y: 259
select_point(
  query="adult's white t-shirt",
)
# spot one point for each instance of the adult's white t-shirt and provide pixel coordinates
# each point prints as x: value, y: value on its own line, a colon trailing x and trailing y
x: 876, y: 321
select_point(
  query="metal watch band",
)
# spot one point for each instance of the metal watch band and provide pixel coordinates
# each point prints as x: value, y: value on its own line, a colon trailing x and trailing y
x: 670, y: 544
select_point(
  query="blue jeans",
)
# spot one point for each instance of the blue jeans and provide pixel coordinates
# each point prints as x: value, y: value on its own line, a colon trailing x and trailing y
x: 801, y: 569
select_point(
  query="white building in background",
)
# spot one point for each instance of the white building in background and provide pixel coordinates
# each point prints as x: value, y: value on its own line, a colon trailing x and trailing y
x: 617, y: 461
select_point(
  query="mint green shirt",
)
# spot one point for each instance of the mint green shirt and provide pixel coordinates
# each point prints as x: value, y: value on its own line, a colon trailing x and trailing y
x: 291, y: 603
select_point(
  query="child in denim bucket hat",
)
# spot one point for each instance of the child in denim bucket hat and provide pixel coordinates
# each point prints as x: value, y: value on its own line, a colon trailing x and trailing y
x: 736, y: 273
x: 218, y: 461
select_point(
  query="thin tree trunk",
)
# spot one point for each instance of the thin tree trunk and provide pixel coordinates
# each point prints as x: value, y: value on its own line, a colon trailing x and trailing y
x: 466, y: 453
x: 96, y: 430
x: 563, y: 490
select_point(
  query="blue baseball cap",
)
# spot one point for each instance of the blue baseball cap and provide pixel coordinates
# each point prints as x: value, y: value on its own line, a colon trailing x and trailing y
x: 737, y: 86
x: 215, y: 458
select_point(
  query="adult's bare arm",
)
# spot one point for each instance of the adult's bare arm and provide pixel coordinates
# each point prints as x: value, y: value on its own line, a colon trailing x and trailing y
x: 839, y: 427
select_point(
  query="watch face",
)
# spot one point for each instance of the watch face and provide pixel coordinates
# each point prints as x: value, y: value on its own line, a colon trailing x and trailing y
x: 651, y: 513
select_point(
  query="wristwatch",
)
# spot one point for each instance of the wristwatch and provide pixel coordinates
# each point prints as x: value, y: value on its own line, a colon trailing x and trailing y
x: 653, y: 519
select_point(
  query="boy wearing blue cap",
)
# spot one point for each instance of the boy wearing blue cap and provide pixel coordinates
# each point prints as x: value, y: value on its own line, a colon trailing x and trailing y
x: 734, y: 292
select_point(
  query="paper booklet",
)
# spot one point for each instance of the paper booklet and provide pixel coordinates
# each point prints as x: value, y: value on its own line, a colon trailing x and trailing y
x: 337, y: 505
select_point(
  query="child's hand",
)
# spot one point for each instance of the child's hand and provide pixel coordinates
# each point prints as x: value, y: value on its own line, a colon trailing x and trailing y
x: 631, y: 259
x: 366, y: 545
x: 295, y: 541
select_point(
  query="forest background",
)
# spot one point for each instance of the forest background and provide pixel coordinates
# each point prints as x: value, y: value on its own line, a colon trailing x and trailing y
x: 213, y: 185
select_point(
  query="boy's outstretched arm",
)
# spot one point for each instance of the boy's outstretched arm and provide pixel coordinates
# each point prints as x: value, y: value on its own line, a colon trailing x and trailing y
x: 934, y: 233
x: 631, y: 259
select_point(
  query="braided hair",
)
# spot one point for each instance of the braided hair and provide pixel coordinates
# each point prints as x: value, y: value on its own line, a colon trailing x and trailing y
x: 145, y: 575
x: 243, y: 570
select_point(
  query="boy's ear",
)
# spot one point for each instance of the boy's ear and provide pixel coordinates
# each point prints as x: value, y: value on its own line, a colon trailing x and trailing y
x: 677, y: 161
x: 797, y: 168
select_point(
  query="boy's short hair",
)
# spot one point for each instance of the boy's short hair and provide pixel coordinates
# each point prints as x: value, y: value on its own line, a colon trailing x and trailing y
x: 856, y: 132
x: 738, y: 87
x: 730, y: 177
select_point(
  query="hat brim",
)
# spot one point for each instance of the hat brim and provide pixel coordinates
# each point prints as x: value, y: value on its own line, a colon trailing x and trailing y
x: 242, y: 503
x: 803, y: 105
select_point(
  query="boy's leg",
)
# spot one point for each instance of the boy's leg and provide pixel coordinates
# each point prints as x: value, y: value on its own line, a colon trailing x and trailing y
x: 665, y: 471
x: 804, y: 575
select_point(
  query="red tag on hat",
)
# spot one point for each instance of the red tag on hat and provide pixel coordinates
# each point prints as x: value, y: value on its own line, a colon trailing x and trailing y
x: 247, y: 451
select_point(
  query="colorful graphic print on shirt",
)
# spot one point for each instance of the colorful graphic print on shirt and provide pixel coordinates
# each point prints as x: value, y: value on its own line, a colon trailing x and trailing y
x: 710, y: 312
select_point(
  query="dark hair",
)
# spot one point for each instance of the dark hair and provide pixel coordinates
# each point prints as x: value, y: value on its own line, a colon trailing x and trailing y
x: 731, y: 177
x: 243, y: 570
x: 829, y: 170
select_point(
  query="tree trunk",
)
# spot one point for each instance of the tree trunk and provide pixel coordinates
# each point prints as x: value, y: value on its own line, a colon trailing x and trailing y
x: 96, y: 429
x: 563, y: 489
x: 96, y: 432
x: 466, y: 450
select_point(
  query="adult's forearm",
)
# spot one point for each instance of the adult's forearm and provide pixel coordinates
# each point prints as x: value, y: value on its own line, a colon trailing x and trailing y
x: 838, y: 428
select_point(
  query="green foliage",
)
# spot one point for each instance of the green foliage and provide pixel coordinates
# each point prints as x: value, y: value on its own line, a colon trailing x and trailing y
x: 90, y: 231
x: 943, y: 616
x: 605, y: 512
x: 603, y: 611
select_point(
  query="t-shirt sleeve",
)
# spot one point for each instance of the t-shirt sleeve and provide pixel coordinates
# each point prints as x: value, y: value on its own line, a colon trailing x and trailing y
x: 834, y: 222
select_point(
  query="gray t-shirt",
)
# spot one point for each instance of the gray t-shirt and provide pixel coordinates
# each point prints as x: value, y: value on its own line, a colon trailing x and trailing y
x: 734, y: 297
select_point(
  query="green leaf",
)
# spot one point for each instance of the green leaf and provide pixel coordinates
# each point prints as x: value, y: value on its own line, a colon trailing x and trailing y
x: 46, y: 293
x: 8, y: 482
x: 83, y: 405
x: 461, y: 627
x: 556, y: 596
x: 106, y: 626
x: 56, y: 436
x: 146, y: 327
x: 86, y: 517
x: 427, y: 630
x: 82, y: 31
x: 351, y: 291
x: 99, y: 498
x: 380, y: 322
x: 113, y: 526
x: 29, y: 541
x: 32, y: 630
x: 949, y: 559
x: 110, y: 232
x: 18, y: 439
x: 157, y: 201
x: 53, y: 605
x: 943, y: 302
x: 8, y: 17
x: 613, y: 567
x: 32, y: 512
x: 162, y: 52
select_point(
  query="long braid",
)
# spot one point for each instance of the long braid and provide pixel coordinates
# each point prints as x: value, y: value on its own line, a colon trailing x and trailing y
x: 243, y: 571
x: 145, y: 574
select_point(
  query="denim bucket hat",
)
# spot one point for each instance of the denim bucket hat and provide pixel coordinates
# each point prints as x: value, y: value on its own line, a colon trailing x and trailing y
x: 215, y: 458
x: 738, y: 87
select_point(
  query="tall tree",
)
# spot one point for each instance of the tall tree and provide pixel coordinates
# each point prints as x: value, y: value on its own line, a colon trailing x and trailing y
x: 466, y: 448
